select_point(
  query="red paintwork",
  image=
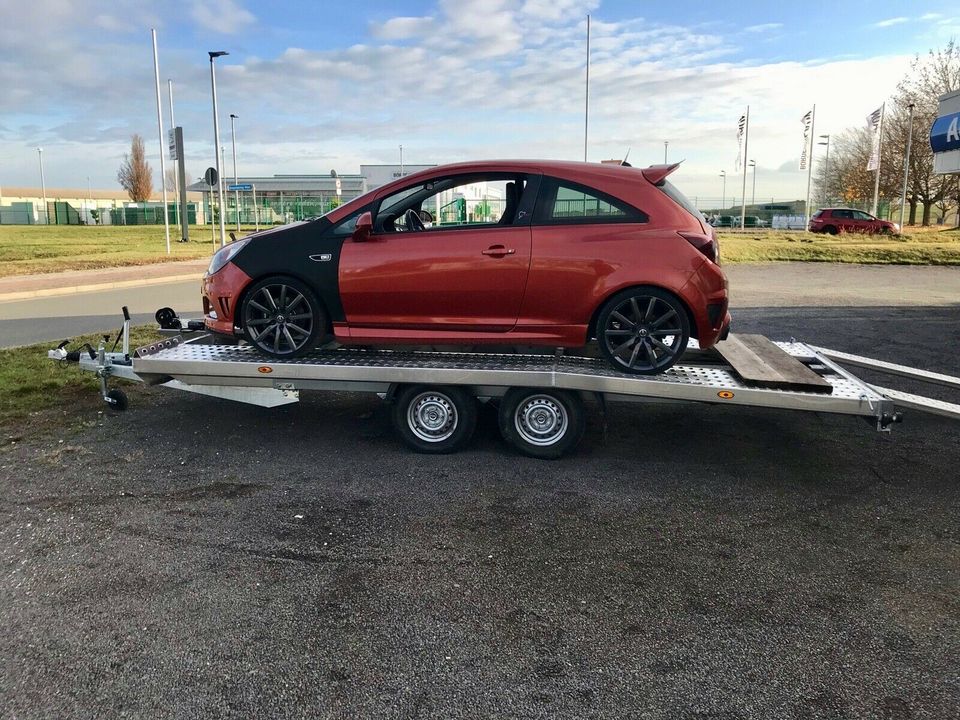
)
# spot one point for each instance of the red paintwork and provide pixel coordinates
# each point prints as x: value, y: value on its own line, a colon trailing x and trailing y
x: 220, y: 291
x: 830, y: 217
x: 441, y: 286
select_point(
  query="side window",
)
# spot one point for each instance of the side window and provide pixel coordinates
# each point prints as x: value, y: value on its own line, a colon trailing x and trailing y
x: 563, y: 202
x: 861, y: 215
x: 457, y: 201
x: 846, y: 214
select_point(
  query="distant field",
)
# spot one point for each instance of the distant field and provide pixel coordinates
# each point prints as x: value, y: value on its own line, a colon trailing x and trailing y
x: 26, y: 249
x: 917, y: 246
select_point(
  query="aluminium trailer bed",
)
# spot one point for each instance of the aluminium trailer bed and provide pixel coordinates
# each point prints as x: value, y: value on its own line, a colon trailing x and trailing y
x: 541, y: 395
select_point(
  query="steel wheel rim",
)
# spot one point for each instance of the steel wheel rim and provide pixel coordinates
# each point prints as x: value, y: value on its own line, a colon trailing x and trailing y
x: 643, y: 333
x: 541, y: 420
x: 432, y: 417
x: 279, y: 319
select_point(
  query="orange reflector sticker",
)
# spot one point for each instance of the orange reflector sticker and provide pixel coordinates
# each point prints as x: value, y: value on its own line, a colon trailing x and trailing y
x: 725, y: 394
x: 265, y: 369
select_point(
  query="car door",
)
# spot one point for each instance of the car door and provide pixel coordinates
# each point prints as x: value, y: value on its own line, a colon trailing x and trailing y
x: 844, y: 220
x: 864, y: 222
x: 465, y: 271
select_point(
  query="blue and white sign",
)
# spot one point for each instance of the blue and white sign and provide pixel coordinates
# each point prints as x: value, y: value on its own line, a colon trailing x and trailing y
x: 945, y: 133
x: 240, y: 186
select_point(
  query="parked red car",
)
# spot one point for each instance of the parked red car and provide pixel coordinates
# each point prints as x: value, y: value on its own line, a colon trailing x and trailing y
x: 837, y: 220
x: 513, y: 252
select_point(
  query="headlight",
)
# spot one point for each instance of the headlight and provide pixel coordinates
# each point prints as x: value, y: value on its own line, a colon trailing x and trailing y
x: 224, y: 254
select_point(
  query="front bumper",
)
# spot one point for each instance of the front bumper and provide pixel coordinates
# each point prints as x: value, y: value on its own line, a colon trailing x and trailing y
x: 221, y: 293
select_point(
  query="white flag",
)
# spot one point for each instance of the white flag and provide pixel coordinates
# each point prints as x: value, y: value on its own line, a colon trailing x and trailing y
x: 741, y: 124
x: 874, y: 122
x: 807, y: 121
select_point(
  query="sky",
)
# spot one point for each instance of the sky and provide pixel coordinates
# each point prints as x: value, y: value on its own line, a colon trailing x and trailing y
x: 321, y: 85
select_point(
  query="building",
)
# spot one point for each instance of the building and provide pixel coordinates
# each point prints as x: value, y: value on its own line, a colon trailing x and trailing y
x: 285, y: 198
x: 72, y: 206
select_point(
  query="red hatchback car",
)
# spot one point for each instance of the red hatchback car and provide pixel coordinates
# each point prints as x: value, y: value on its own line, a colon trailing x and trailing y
x: 837, y: 220
x: 511, y: 253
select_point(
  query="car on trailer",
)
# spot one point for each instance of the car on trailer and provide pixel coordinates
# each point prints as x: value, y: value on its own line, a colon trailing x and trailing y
x: 521, y: 253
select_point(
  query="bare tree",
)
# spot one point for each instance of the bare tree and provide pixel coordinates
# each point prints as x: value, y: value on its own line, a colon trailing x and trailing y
x: 170, y: 179
x: 135, y: 174
x: 929, y: 78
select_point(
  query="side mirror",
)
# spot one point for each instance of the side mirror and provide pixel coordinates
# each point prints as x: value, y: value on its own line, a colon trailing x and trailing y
x: 363, y: 228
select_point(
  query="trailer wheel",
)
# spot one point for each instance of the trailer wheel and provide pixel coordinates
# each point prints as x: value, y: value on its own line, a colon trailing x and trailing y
x: 542, y: 423
x: 435, y: 419
x: 117, y: 400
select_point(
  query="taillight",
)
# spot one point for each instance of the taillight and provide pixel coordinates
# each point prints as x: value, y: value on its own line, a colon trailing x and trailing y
x: 706, y: 244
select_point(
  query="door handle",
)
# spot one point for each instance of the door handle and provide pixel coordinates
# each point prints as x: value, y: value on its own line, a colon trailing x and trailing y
x: 498, y: 251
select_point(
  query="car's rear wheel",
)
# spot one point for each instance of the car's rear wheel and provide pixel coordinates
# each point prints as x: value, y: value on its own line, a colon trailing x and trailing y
x: 542, y: 423
x: 435, y: 419
x: 643, y: 330
x: 282, y: 317
x: 830, y: 230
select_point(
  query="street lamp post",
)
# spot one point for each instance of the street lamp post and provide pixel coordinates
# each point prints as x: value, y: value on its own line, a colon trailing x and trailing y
x: 906, y: 166
x: 753, y: 197
x: 216, y: 138
x: 826, y: 167
x: 723, y: 203
x: 236, y: 193
x: 401, y: 161
x: 43, y: 188
x: 665, y: 143
x: 89, y: 197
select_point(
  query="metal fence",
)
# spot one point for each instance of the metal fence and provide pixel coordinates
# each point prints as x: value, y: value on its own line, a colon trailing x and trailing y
x: 63, y: 213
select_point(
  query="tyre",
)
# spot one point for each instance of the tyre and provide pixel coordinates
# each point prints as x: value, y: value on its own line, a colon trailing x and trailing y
x: 830, y: 230
x: 282, y: 317
x: 117, y: 400
x: 540, y: 423
x: 643, y: 330
x: 436, y: 419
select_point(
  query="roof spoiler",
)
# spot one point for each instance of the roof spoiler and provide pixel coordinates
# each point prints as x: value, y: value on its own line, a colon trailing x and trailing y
x: 656, y: 174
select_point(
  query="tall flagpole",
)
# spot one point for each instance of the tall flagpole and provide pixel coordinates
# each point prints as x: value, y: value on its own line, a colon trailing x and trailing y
x: 746, y: 154
x: 163, y: 167
x: 876, y: 182
x: 176, y: 175
x: 586, y: 101
x: 813, y: 124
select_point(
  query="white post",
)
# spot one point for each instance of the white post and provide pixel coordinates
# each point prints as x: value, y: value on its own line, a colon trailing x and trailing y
x: 236, y: 193
x: 813, y: 123
x: 401, y: 161
x: 216, y: 142
x: 586, y: 101
x: 163, y: 166
x: 43, y: 188
x: 906, y: 167
x: 723, y: 202
x: 176, y: 175
x: 665, y: 144
x: 753, y: 197
x: 743, y: 187
x: 876, y: 182
x: 256, y: 210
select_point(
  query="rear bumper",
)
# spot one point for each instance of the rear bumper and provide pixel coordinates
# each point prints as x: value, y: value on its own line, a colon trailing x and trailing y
x: 221, y: 292
x: 708, y: 296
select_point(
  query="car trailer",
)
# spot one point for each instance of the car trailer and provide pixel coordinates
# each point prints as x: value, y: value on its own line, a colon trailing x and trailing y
x: 435, y: 394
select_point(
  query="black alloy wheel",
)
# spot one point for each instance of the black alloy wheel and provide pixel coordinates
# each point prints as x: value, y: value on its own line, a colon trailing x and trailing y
x: 643, y: 330
x: 282, y: 317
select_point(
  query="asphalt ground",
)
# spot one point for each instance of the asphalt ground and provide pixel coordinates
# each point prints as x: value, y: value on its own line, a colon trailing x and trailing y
x: 195, y: 558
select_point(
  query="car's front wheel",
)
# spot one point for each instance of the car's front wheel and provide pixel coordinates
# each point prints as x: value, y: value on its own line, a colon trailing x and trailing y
x: 282, y: 317
x: 643, y: 330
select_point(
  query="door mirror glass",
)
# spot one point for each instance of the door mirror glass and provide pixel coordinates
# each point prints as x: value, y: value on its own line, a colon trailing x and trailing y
x: 363, y: 227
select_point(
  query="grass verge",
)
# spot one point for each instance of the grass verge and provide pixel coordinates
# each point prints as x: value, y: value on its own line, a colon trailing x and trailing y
x: 31, y: 385
x: 917, y: 246
x: 29, y: 249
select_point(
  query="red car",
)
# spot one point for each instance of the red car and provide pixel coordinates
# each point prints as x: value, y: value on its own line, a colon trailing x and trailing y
x: 837, y: 220
x: 510, y: 253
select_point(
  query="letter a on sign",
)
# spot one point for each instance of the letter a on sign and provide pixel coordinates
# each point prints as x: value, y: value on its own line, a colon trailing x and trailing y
x: 953, y: 132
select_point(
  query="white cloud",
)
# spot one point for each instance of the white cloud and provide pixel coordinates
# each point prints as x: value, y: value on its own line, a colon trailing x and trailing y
x: 402, y: 28
x: 223, y: 16
x: 889, y: 22
x: 763, y: 27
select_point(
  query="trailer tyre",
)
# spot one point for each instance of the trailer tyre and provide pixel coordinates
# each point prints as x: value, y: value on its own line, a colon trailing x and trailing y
x: 544, y: 424
x: 435, y: 420
x: 117, y: 400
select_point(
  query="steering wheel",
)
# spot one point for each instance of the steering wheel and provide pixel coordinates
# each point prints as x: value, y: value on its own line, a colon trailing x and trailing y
x: 413, y: 221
